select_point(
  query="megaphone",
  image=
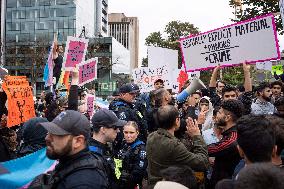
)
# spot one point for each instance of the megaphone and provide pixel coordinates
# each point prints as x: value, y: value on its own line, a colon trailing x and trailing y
x: 195, y: 85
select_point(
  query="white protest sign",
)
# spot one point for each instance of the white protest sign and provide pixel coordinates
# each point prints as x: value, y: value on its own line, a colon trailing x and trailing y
x: 253, y: 40
x: 158, y: 57
x: 264, y: 65
x: 145, y: 77
x: 281, y: 7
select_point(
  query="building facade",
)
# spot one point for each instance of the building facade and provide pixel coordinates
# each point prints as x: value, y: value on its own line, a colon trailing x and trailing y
x: 30, y: 26
x: 126, y: 31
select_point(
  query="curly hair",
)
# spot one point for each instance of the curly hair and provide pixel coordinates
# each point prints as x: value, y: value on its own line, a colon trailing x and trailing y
x: 235, y: 107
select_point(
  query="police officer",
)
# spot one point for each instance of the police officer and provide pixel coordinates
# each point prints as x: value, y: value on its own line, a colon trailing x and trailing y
x: 133, y: 157
x: 105, y: 126
x: 125, y: 109
x: 77, y: 167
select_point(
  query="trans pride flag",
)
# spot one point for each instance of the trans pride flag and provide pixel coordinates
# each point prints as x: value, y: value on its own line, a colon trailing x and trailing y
x: 18, y: 173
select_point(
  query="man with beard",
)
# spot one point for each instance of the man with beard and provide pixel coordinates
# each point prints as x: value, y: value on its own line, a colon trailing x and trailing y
x: 225, y: 151
x: 276, y: 88
x: 262, y: 105
x: 66, y: 141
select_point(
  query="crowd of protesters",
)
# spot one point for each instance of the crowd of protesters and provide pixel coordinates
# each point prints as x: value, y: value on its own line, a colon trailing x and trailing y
x: 221, y: 136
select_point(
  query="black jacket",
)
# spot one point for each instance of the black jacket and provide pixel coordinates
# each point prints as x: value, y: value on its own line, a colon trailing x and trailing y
x: 127, y: 111
x: 106, y: 156
x: 134, y: 164
x: 80, y: 171
x: 226, y: 156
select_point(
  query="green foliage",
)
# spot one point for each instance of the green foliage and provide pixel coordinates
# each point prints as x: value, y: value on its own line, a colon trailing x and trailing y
x: 253, y: 8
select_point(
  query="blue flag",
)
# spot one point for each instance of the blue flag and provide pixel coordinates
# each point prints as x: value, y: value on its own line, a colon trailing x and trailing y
x: 21, y: 171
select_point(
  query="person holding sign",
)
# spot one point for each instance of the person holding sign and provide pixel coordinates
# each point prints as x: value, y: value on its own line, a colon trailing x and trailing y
x: 133, y: 156
x: 57, y: 59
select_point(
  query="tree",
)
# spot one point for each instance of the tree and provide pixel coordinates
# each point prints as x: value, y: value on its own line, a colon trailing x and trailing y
x: 255, y: 8
x: 169, y: 39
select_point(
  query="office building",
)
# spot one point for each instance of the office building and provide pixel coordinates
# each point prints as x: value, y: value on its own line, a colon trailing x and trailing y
x: 126, y: 31
x: 31, y: 24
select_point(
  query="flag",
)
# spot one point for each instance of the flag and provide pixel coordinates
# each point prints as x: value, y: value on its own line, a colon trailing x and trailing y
x: 21, y: 171
x: 48, y: 69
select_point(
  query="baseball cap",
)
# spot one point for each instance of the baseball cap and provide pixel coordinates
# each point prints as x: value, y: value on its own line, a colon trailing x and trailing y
x: 106, y: 118
x: 128, y: 88
x: 69, y: 122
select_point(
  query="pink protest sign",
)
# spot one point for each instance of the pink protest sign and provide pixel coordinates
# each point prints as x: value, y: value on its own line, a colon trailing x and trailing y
x: 253, y: 40
x: 75, y: 52
x: 87, y: 71
x: 90, y: 104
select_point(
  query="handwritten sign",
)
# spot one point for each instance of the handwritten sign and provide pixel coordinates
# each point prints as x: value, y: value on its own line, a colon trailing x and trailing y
x: 87, y: 71
x: 278, y: 69
x: 75, y: 52
x: 20, y: 99
x: 145, y: 77
x: 90, y: 104
x: 254, y: 40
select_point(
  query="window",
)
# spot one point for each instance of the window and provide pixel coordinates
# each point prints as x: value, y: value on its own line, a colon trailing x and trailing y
x: 44, y: 2
x: 44, y: 13
x: 30, y: 14
x: 9, y: 14
x: 27, y: 26
x: 71, y: 23
x: 22, y: 14
x: 65, y: 24
x: 26, y: 3
x: 10, y: 37
x: 15, y: 15
x: 15, y: 26
x: 11, y: 4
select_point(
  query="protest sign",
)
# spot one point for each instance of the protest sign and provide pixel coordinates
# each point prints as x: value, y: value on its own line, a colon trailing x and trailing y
x: 145, y: 77
x: 90, y: 104
x: 20, y: 99
x: 87, y: 71
x: 75, y: 52
x: 158, y: 57
x: 281, y: 7
x: 253, y: 40
x: 267, y: 65
x: 278, y: 69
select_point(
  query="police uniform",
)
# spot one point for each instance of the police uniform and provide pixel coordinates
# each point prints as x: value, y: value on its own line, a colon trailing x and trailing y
x: 106, y: 156
x: 134, y: 164
x: 127, y: 111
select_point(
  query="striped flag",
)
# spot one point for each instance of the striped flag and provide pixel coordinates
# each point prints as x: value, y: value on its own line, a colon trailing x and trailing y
x: 18, y: 173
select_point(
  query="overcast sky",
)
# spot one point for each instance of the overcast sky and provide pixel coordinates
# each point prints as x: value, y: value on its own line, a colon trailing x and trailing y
x: 153, y: 15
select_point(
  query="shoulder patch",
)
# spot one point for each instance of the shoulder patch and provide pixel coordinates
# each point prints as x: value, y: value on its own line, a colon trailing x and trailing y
x: 142, y: 154
x: 122, y: 116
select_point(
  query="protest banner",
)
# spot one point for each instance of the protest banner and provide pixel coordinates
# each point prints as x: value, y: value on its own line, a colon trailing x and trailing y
x: 75, y: 52
x: 253, y: 40
x: 90, y: 104
x: 158, y: 57
x: 278, y: 69
x: 87, y: 71
x: 20, y: 99
x: 145, y: 77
